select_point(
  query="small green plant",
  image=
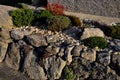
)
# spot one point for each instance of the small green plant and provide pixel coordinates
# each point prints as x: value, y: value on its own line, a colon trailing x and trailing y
x: 68, y: 73
x: 114, y: 31
x: 44, y: 14
x: 22, y: 17
x: 58, y: 23
x: 95, y: 42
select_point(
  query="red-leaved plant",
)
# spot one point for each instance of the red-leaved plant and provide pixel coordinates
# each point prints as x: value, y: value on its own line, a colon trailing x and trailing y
x: 56, y: 8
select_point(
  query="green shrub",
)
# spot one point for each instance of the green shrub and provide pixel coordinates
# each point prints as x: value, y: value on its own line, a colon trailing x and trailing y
x: 68, y: 73
x: 95, y: 42
x: 22, y: 17
x: 58, y: 23
x: 114, y: 31
x: 45, y: 14
x: 42, y: 16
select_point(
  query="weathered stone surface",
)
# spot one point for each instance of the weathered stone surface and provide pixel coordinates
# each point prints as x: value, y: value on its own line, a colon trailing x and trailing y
x: 20, y: 33
x: 4, y: 33
x: 36, y: 40
x: 115, y: 63
x: 103, y: 58
x: 13, y: 56
x: 89, y: 54
x: 32, y: 68
x: 91, y: 71
x: 76, y: 51
x: 3, y: 49
x: 68, y: 55
x: 81, y: 67
x: 54, y: 66
x: 115, y: 45
x: 91, y: 32
x: 5, y: 19
x: 52, y: 50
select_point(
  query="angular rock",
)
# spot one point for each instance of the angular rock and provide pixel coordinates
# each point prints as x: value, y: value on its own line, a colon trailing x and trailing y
x: 81, y: 67
x: 3, y: 49
x: 115, y: 63
x: 73, y: 32
x: 76, y: 51
x: 32, y: 68
x: 89, y: 54
x: 13, y: 56
x: 85, y: 70
x: 52, y: 38
x: 54, y: 66
x: 98, y: 71
x: 91, y: 32
x: 52, y: 50
x: 20, y: 33
x: 68, y: 55
x: 36, y: 40
x: 115, y: 45
x: 103, y: 58
x: 61, y: 52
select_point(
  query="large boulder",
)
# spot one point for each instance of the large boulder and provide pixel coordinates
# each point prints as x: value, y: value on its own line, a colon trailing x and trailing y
x: 20, y: 33
x: 13, y: 56
x: 54, y: 66
x: 36, y: 40
x: 115, y: 62
x: 5, y: 18
x: 32, y: 68
x: 91, y: 32
x: 103, y: 57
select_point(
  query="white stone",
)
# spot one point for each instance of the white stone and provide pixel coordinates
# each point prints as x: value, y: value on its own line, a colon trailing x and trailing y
x: 91, y: 32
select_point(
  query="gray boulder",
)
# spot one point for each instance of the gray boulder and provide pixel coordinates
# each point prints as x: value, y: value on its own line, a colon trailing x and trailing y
x: 54, y: 66
x: 13, y: 56
x: 76, y: 51
x: 91, y: 32
x: 115, y: 62
x: 20, y: 33
x: 32, y: 68
x: 103, y: 58
x: 36, y: 40
x: 81, y: 67
x: 115, y: 45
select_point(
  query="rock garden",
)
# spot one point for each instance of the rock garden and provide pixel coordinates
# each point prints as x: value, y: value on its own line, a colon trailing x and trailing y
x: 48, y: 45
